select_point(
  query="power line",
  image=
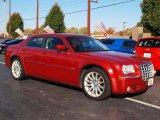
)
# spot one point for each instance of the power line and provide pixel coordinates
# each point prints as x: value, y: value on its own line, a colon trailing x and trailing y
x: 100, y: 7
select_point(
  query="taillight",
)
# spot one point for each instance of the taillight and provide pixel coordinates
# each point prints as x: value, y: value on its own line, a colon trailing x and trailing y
x: 3, y: 45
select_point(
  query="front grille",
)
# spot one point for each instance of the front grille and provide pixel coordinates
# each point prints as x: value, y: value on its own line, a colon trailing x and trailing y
x: 147, y: 71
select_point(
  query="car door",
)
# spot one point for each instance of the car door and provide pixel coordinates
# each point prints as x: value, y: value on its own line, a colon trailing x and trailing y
x: 32, y: 54
x: 57, y: 64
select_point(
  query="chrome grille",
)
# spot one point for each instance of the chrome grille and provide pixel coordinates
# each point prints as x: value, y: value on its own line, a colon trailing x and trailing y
x: 147, y: 71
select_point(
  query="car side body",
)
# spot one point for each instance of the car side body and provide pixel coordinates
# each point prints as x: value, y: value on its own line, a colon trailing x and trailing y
x: 67, y: 66
x: 149, y: 48
x: 123, y: 45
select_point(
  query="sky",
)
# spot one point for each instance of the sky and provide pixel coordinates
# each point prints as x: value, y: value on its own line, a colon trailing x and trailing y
x: 111, y: 16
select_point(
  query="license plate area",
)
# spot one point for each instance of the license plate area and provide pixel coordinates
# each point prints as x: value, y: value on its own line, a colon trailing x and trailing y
x: 150, y: 81
x: 147, y: 55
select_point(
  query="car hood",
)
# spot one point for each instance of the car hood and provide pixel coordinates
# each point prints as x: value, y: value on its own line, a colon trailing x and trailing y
x: 117, y: 57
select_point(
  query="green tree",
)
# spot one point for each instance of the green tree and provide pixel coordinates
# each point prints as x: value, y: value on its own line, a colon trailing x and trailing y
x: 16, y: 22
x: 72, y: 30
x: 83, y: 31
x: 151, y: 16
x: 55, y: 19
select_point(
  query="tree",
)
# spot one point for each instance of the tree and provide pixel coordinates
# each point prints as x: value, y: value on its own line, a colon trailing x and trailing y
x: 15, y: 22
x: 110, y: 30
x: 83, y: 31
x: 72, y: 30
x: 151, y: 16
x: 55, y: 19
x: 40, y: 29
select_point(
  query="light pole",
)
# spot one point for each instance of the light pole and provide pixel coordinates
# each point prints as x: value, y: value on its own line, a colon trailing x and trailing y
x: 4, y: 1
x: 89, y: 16
x: 37, y: 16
x: 124, y: 27
x: 9, y: 27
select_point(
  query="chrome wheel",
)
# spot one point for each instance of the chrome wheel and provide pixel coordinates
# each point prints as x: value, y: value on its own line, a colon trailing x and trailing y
x: 94, y: 84
x: 16, y: 69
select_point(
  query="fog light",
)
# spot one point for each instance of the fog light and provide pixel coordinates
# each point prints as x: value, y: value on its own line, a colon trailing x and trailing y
x: 128, y: 88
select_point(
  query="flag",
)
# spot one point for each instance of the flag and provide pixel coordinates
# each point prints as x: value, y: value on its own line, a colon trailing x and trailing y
x: 101, y: 28
x: 48, y: 29
x: 19, y: 32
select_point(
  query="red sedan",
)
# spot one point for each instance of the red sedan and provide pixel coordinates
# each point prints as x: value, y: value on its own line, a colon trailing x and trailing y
x: 80, y: 61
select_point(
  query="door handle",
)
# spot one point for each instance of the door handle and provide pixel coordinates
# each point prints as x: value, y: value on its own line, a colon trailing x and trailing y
x: 23, y: 51
x: 44, y: 53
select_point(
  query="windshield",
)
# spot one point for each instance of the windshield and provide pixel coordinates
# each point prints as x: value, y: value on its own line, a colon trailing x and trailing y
x: 85, y: 44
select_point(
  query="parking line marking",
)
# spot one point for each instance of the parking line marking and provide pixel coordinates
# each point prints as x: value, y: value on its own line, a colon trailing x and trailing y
x: 2, y: 63
x: 144, y: 103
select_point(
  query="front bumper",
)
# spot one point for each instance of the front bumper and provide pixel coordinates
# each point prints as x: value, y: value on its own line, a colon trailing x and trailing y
x: 127, y: 84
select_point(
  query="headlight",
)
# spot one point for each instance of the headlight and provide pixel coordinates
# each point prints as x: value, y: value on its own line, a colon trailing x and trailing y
x: 128, y: 69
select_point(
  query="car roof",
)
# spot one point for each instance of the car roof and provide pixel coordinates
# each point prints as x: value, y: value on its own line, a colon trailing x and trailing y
x: 14, y: 40
x: 153, y: 38
x: 118, y: 39
x: 56, y: 34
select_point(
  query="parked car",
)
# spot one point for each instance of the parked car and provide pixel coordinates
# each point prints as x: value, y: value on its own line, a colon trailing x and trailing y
x: 4, y: 45
x: 1, y: 39
x: 5, y: 40
x: 149, y: 48
x: 79, y: 61
x: 120, y: 44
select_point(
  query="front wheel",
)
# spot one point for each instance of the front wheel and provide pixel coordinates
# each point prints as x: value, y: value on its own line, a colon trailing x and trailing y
x: 96, y: 84
x: 17, y: 69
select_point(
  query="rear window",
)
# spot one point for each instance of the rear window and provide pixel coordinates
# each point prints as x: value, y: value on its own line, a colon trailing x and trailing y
x: 108, y: 42
x: 129, y: 44
x: 149, y: 43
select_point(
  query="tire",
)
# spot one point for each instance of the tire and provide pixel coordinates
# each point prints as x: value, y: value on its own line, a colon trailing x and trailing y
x: 17, y: 69
x: 96, y: 84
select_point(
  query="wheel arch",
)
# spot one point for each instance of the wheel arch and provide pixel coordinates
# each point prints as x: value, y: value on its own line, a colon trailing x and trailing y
x: 13, y: 57
x: 86, y: 67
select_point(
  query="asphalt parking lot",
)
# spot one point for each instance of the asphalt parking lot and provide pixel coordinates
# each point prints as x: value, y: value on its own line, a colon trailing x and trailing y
x: 34, y: 99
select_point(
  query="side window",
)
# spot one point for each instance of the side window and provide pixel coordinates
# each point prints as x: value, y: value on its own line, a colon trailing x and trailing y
x: 129, y: 44
x: 108, y: 42
x: 36, y: 42
x: 51, y: 42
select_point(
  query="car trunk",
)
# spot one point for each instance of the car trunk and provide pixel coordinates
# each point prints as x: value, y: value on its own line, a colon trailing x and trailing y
x: 152, y: 53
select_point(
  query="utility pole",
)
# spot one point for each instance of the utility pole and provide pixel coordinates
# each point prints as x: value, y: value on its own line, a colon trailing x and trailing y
x: 37, y: 16
x: 9, y: 27
x: 4, y: 1
x: 89, y: 16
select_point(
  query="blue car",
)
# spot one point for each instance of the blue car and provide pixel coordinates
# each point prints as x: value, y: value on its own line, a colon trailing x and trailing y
x: 123, y: 45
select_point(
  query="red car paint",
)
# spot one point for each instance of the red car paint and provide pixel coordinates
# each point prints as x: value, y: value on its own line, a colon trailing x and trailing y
x: 66, y: 67
x: 149, y: 48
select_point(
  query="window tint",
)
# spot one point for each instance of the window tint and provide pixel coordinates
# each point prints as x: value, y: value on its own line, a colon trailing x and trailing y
x: 85, y: 44
x: 51, y: 42
x: 108, y: 42
x: 129, y: 44
x: 35, y: 42
x: 149, y: 43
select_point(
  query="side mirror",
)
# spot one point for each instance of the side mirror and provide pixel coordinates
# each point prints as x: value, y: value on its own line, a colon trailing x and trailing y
x: 61, y: 47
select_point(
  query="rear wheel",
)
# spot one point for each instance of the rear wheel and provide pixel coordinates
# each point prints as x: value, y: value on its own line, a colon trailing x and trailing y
x: 17, y: 69
x: 96, y: 84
